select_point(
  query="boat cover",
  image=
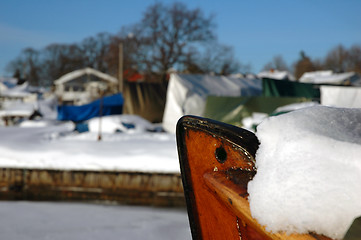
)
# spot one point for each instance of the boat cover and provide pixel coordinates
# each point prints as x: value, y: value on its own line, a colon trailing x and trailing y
x: 341, y: 96
x: 109, y: 105
x: 187, y: 94
x: 284, y: 88
x: 232, y: 110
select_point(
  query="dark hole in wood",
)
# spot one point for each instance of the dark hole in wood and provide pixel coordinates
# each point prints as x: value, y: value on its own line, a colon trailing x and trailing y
x: 221, y: 155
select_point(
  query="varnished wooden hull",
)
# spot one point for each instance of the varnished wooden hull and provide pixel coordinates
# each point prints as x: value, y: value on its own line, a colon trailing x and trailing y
x: 217, y: 160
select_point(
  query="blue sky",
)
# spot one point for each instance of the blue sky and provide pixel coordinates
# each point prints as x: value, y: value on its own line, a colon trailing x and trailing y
x: 258, y: 30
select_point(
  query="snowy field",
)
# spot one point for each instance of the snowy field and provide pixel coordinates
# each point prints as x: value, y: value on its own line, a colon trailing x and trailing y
x: 76, y: 221
x: 54, y: 145
x: 128, y: 143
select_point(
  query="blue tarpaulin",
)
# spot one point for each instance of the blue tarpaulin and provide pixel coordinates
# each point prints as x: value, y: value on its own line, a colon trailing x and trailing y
x: 109, y: 105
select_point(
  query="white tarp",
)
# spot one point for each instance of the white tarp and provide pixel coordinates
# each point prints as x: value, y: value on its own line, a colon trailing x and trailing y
x: 337, y: 96
x: 187, y: 94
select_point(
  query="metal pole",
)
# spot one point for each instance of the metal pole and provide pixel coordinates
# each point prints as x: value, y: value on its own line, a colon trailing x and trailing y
x: 100, y: 117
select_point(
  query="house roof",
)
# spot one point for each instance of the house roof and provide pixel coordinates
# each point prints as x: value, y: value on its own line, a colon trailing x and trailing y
x: 276, y: 74
x: 327, y: 77
x: 86, y: 71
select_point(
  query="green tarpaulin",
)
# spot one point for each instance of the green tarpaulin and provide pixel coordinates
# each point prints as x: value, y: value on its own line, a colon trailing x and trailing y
x: 284, y: 88
x: 233, y: 109
x: 354, y: 232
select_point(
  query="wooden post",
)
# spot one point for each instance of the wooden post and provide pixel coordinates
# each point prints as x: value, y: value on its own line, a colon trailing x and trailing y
x: 120, y: 70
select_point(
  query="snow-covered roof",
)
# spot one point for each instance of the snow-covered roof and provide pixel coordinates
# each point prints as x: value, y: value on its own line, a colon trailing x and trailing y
x: 86, y: 71
x: 19, y: 91
x: 323, y: 77
x: 276, y: 74
x: 9, y: 81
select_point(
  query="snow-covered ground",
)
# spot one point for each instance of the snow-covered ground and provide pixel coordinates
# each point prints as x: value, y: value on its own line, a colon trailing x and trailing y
x: 77, y: 221
x: 128, y: 143
x: 52, y: 145
x: 308, y: 176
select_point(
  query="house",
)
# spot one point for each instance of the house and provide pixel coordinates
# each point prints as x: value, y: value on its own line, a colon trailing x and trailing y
x: 16, y: 102
x: 83, y: 86
x: 276, y: 74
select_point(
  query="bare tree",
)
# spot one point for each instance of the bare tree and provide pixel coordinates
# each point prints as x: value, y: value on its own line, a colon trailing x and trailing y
x: 166, y: 34
x: 336, y: 59
x: 95, y: 50
x: 355, y: 58
x: 216, y: 59
x: 53, y: 61
x: 303, y: 65
x: 341, y: 59
x: 27, y: 66
x: 130, y: 44
x: 276, y: 63
x: 59, y: 59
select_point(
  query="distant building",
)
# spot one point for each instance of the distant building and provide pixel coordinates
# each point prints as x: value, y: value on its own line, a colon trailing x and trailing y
x: 329, y: 77
x: 83, y: 86
x: 16, y: 102
x: 275, y: 74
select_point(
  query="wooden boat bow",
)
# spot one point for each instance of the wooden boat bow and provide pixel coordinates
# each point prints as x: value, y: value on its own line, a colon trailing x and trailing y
x: 217, y: 161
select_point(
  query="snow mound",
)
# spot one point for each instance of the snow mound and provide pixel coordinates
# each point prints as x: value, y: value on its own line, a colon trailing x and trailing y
x: 38, y: 123
x: 120, y: 123
x: 295, y: 106
x: 308, y: 171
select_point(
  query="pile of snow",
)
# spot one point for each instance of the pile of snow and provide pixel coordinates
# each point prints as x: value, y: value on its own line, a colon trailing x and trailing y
x: 252, y: 121
x: 120, y: 123
x: 308, y: 171
x: 294, y: 106
x: 48, y: 107
x: 40, y: 123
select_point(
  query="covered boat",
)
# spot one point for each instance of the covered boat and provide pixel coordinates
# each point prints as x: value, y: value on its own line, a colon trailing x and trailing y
x: 217, y: 161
